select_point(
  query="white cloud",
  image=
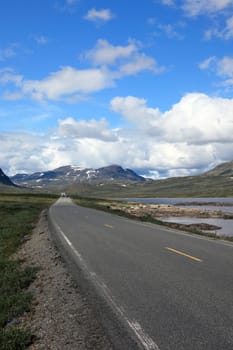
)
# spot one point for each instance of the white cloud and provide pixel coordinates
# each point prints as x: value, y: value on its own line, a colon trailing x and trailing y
x: 103, y: 15
x: 91, y: 129
x: 22, y: 152
x: 69, y: 84
x: 106, y: 53
x: 228, y: 30
x: 139, y: 63
x: 223, y: 68
x: 8, y: 76
x: 194, y: 8
x: 226, y: 33
x: 128, y: 59
x: 197, y: 7
x: 135, y: 111
x: 188, y: 138
x: 207, y: 62
x: 199, y: 119
x: 184, y: 122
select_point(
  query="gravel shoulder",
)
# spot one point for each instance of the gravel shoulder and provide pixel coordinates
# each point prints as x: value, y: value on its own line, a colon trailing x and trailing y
x: 61, y: 317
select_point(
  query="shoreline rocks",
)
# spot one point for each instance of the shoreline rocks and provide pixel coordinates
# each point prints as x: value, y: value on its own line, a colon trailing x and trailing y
x: 167, y: 210
x: 158, y: 211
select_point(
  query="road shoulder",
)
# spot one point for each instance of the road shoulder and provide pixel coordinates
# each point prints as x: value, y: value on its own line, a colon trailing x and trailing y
x: 61, y: 317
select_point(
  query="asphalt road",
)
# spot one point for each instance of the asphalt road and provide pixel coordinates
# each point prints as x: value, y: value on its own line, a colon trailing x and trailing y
x: 171, y: 289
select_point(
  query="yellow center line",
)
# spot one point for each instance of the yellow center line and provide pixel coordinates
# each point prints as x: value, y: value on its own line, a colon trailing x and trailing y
x: 184, y: 254
x: 109, y: 226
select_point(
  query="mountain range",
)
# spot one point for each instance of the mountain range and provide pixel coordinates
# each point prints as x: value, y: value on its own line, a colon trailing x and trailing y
x: 114, y: 181
x: 67, y: 175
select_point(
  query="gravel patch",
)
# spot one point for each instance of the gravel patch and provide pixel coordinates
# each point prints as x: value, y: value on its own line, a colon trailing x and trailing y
x: 61, y: 317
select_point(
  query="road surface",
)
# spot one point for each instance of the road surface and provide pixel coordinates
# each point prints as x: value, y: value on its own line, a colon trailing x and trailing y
x: 172, y: 290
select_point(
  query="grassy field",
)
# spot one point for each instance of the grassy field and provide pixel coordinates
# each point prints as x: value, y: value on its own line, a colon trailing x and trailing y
x: 191, y: 186
x: 18, y: 215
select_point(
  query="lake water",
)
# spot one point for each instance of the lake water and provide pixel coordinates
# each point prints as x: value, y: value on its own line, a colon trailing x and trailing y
x: 226, y: 225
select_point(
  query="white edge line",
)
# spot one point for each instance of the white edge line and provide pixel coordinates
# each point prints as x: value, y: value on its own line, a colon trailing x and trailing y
x: 144, y: 339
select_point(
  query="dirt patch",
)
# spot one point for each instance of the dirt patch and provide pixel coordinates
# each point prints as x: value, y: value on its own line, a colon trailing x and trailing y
x: 61, y: 317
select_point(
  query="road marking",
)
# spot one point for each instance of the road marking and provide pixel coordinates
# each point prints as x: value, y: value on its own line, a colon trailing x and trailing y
x: 109, y: 226
x: 145, y: 341
x: 184, y: 254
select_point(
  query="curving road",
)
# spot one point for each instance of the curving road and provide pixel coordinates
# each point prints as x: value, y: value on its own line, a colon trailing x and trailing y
x: 171, y: 290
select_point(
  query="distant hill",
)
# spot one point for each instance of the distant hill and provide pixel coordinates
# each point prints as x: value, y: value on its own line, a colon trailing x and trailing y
x: 224, y: 169
x: 5, y: 180
x: 217, y: 182
x: 114, y: 181
x: 70, y: 175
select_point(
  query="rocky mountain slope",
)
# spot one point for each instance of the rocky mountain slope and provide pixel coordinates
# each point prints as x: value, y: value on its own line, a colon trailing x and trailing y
x: 5, y: 180
x: 67, y: 175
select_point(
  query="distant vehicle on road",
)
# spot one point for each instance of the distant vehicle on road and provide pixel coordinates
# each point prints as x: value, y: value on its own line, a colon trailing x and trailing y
x: 63, y: 194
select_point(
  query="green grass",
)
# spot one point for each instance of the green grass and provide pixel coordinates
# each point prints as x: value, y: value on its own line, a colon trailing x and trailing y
x: 189, y: 186
x: 18, y: 216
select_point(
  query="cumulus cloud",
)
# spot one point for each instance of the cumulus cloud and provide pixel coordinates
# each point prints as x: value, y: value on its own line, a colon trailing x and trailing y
x: 69, y: 84
x: 106, y: 53
x: 66, y: 84
x: 93, y: 129
x: 196, y: 119
x: 129, y: 59
x: 21, y: 152
x: 103, y: 15
x: 135, y: 111
x: 155, y: 143
x: 68, y: 81
x: 140, y: 63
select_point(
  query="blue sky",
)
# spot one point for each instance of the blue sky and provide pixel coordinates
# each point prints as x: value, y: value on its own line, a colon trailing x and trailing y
x: 146, y: 84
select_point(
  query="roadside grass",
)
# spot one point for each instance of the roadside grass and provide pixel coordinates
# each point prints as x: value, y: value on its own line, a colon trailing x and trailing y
x: 106, y: 205
x: 18, y: 216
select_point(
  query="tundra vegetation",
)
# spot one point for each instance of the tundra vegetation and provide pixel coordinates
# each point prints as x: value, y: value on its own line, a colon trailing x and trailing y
x: 18, y: 215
